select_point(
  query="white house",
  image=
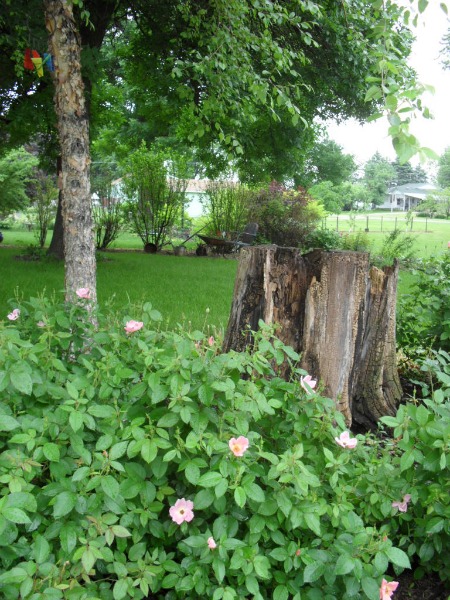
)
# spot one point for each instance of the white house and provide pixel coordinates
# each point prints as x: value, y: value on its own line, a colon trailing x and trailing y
x: 196, y: 192
x: 407, y: 196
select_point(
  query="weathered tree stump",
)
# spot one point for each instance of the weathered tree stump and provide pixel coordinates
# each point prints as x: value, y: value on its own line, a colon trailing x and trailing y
x: 333, y: 309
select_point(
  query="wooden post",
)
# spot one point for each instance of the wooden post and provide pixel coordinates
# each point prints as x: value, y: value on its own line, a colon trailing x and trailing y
x: 332, y: 308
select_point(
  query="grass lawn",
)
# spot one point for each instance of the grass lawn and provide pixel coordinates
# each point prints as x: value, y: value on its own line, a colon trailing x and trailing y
x: 431, y: 236
x: 181, y: 288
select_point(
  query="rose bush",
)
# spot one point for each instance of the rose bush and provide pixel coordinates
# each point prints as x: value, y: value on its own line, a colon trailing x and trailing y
x: 152, y: 465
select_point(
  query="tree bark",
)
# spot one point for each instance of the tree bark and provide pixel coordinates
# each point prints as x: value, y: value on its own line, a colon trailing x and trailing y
x: 56, y: 247
x: 73, y: 129
x: 333, y: 309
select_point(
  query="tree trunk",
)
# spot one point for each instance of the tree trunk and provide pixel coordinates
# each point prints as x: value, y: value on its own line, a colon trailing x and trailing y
x: 334, y: 310
x: 56, y: 248
x: 79, y: 246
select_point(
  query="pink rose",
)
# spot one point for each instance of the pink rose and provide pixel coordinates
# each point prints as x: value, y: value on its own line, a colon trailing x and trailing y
x: 238, y: 446
x: 402, y: 506
x: 345, y: 440
x: 387, y: 589
x: 14, y: 315
x: 132, y: 326
x: 182, y: 511
x: 309, y: 381
x: 211, y: 341
x: 83, y: 293
x: 211, y: 543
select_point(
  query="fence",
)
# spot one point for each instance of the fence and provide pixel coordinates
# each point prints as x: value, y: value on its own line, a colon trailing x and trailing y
x: 378, y: 223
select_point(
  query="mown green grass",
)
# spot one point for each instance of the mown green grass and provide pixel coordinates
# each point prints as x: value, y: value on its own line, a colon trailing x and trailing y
x: 431, y: 236
x: 181, y: 288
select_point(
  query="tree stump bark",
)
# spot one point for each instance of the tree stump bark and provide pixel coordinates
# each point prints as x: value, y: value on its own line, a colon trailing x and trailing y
x: 333, y: 309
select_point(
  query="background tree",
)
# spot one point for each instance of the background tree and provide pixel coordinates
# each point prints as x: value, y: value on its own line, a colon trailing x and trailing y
x: 407, y: 173
x: 437, y: 203
x: 379, y: 175
x: 329, y: 195
x: 356, y: 195
x: 248, y: 96
x: 16, y: 172
x: 326, y: 161
x: 155, y: 196
x: 44, y: 198
x: 107, y: 210
x: 443, y: 174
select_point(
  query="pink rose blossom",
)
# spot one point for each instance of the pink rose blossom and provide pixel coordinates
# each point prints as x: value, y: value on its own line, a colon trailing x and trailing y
x: 309, y: 381
x: 402, y: 506
x: 387, y: 589
x: 83, y: 293
x: 345, y: 440
x: 238, y: 446
x: 132, y: 326
x: 211, y: 543
x: 182, y: 511
x: 14, y: 315
x: 211, y: 341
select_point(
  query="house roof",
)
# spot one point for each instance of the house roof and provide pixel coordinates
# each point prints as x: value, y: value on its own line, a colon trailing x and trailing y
x: 413, y: 189
x: 197, y: 186
x: 194, y: 186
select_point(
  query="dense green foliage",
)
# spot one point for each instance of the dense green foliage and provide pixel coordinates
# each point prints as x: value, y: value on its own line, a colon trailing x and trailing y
x: 424, y: 313
x: 326, y: 161
x: 285, y: 217
x: 16, y: 171
x: 103, y: 431
x: 245, y: 79
x: 379, y: 174
x: 407, y: 173
x: 443, y: 176
x: 436, y: 204
x: 43, y: 195
x: 226, y: 208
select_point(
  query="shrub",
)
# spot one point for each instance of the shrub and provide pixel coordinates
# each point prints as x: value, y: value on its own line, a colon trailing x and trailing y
x: 423, y: 315
x: 396, y: 246
x: 421, y: 462
x: 110, y: 440
x: 155, y: 196
x: 285, y: 217
x: 358, y: 241
x: 327, y: 239
x: 226, y: 207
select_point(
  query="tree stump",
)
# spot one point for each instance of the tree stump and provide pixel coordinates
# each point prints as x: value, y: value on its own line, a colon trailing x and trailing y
x: 333, y: 309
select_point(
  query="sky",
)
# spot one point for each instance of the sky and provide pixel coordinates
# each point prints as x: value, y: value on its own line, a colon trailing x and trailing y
x: 363, y: 141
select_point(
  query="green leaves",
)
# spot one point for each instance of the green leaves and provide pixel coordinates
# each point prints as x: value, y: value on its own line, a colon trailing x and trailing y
x: 8, y: 423
x: 90, y: 484
x: 16, y: 515
x: 398, y: 557
x: 63, y: 504
x: 344, y: 565
x: 210, y: 479
x: 51, y: 452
